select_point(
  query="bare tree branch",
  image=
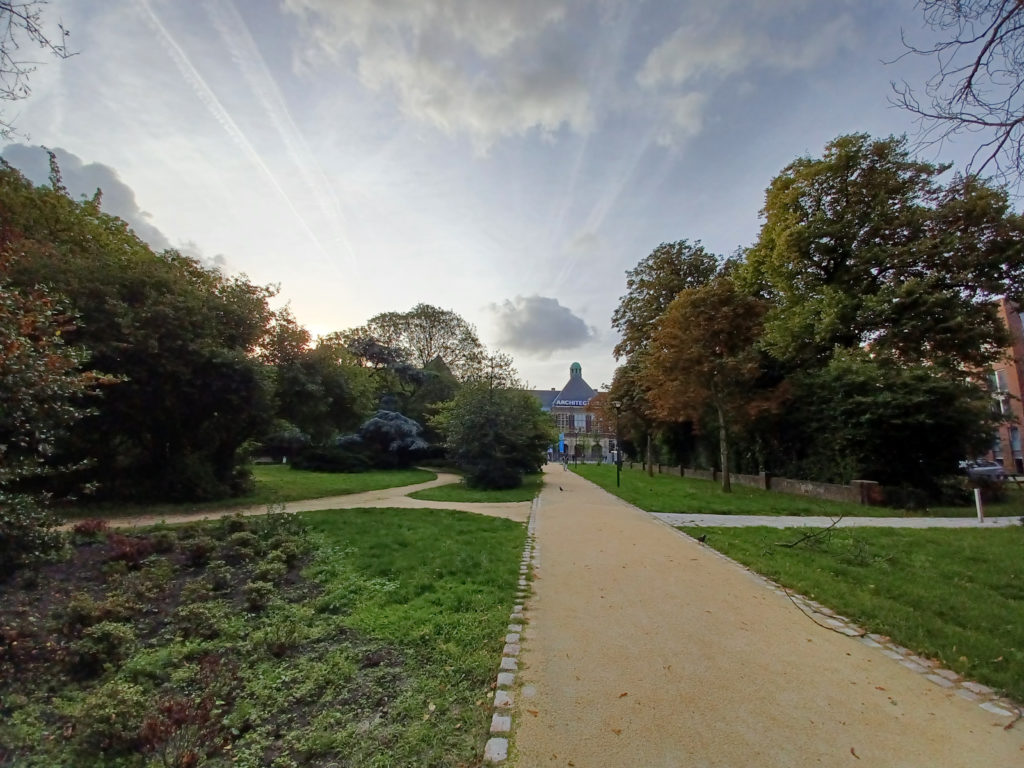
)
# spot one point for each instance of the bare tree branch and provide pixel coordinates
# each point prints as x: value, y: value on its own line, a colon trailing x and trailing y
x: 21, y: 26
x: 977, y: 85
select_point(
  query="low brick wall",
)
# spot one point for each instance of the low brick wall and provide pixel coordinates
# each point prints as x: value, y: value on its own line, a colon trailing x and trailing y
x: 857, y: 492
x: 829, y: 491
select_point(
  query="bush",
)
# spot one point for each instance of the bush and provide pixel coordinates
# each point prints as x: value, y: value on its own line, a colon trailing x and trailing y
x: 129, y: 550
x: 27, y: 534
x: 197, y: 551
x: 218, y: 574
x: 200, y: 620
x: 105, y: 643
x: 108, y: 719
x: 163, y: 541
x: 90, y: 530
x: 341, y: 459
x: 258, y: 594
x: 270, y: 571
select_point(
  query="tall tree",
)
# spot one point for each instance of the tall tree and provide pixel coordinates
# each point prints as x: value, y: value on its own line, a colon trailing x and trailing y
x: 652, y: 285
x: 703, y: 358
x: 180, y: 338
x: 426, y: 332
x: 42, y: 391
x: 865, y: 246
x: 977, y: 85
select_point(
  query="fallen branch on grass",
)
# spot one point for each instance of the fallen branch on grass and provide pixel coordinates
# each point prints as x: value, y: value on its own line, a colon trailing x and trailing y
x: 824, y: 532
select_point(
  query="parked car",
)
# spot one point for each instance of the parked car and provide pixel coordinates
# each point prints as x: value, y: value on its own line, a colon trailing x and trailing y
x: 983, y: 469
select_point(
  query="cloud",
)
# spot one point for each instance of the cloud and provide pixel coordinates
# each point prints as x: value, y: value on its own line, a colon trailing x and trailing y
x: 83, y: 179
x: 539, y: 325
x: 483, y: 68
x: 705, y: 55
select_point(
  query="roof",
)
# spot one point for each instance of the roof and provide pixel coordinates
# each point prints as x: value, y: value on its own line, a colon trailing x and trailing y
x: 546, y: 397
x: 575, y: 393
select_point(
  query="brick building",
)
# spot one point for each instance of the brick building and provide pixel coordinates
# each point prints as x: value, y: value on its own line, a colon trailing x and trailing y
x: 580, y: 434
x: 1006, y: 378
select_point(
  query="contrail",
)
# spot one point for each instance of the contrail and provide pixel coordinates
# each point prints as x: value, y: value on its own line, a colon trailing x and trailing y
x: 221, y: 115
x: 235, y: 33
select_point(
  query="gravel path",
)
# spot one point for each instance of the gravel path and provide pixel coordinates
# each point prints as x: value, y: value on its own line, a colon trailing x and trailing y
x: 385, y: 497
x: 643, y: 648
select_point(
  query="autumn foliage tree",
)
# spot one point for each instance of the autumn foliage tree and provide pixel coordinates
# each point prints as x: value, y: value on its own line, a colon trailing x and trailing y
x: 704, y: 360
x: 43, y: 383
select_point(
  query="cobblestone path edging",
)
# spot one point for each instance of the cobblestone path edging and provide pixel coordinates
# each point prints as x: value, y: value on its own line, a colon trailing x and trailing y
x: 986, y: 698
x: 497, y: 748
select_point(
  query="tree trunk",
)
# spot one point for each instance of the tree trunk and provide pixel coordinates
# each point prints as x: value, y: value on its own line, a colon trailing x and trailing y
x: 650, y: 466
x: 723, y: 447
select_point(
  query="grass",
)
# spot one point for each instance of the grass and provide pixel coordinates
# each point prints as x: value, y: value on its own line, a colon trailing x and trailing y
x: 460, y: 492
x: 673, y: 494
x: 357, y: 637
x: 1011, y: 506
x: 275, y: 484
x: 953, y: 595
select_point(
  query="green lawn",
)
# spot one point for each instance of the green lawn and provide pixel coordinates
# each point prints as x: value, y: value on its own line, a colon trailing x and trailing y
x: 953, y: 595
x: 274, y: 484
x: 460, y: 492
x: 668, y: 493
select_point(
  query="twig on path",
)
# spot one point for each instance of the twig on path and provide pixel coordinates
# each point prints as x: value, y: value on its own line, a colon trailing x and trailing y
x: 823, y: 626
x: 1017, y: 719
x: 810, y: 536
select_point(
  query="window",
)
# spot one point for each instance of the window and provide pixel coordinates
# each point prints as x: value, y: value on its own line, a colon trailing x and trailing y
x: 563, y: 421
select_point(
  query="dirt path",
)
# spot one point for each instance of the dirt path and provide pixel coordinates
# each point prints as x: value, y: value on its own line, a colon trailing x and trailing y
x: 385, y: 497
x: 645, y: 649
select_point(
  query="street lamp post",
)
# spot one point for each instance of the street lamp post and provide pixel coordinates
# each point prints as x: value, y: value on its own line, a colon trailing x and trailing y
x: 618, y: 446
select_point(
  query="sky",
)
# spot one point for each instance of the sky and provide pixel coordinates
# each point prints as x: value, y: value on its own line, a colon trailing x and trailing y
x: 506, y: 159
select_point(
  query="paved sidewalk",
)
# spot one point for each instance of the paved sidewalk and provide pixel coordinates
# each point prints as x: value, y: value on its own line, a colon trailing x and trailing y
x: 800, y: 521
x: 643, y: 648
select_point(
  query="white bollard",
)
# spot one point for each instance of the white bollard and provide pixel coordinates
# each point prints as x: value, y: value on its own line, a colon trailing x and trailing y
x: 978, y: 505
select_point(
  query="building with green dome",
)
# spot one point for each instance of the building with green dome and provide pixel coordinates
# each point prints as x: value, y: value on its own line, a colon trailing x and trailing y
x: 581, y: 435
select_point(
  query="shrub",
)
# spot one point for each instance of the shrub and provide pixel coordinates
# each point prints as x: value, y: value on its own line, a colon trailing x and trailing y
x: 105, y: 643
x: 244, y: 540
x: 197, y: 551
x: 129, y: 550
x: 258, y: 594
x: 234, y: 523
x: 270, y: 571
x: 279, y: 638
x: 109, y: 718
x: 27, y: 534
x: 342, y: 459
x: 163, y: 541
x: 197, y: 591
x: 89, y: 530
x: 219, y: 575
x: 79, y: 612
x: 200, y: 620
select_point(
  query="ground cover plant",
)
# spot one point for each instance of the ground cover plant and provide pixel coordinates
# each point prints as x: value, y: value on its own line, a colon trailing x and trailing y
x: 356, y: 638
x: 952, y: 595
x: 668, y: 493
x: 461, y: 492
x: 275, y: 484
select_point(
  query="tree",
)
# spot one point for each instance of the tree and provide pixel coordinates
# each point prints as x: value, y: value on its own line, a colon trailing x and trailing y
x: 21, y: 24
x: 319, y: 390
x: 426, y: 332
x: 862, y: 416
x: 180, y: 338
x: 703, y: 358
x: 494, y: 434
x: 863, y: 246
x: 652, y: 285
x: 976, y: 88
x: 41, y: 391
